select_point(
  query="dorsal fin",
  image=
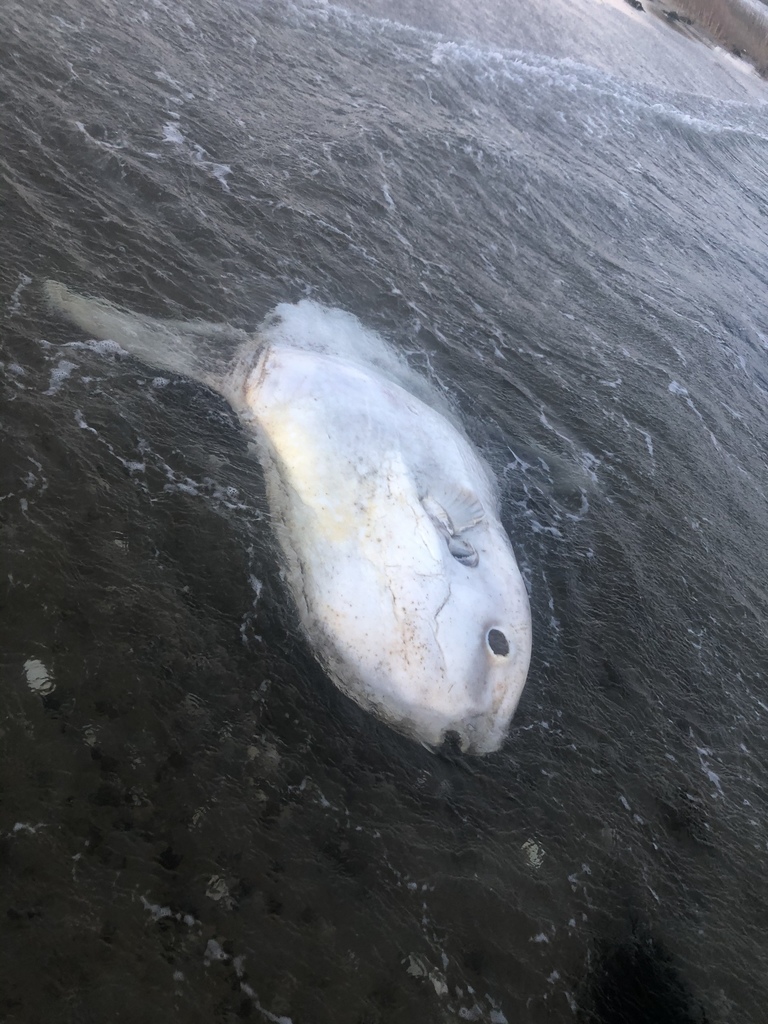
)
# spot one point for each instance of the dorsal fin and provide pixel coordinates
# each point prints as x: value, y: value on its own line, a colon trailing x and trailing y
x: 203, y: 351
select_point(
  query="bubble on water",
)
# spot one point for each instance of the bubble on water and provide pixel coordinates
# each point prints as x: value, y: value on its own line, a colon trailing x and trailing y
x: 14, y: 306
x: 218, y: 891
x: 59, y: 375
x: 533, y: 852
x: 214, y: 951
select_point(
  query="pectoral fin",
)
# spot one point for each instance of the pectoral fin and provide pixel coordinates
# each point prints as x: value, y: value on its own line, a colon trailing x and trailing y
x: 464, y: 507
x: 438, y: 515
x: 458, y: 511
x: 454, y: 509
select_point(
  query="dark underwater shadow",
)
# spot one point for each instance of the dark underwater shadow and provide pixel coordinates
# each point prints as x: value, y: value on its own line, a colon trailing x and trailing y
x: 636, y: 982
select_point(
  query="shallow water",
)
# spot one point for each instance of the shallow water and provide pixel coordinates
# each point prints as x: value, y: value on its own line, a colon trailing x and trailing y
x: 195, y: 824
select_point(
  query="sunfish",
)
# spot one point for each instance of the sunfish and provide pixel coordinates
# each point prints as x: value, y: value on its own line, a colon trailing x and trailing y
x: 404, y: 580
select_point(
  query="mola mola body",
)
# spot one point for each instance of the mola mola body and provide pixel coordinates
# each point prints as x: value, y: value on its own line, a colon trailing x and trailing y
x: 404, y: 580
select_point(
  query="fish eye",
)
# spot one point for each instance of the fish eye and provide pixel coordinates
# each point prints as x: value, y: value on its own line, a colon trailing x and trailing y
x: 463, y: 551
x: 498, y: 642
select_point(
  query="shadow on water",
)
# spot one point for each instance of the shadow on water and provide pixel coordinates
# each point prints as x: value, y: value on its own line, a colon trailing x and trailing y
x: 636, y: 982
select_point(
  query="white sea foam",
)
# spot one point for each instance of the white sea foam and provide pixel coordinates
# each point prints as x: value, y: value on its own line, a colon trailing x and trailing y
x: 648, y: 440
x: 256, y: 587
x: 14, y: 304
x: 59, y: 375
x: 171, y: 133
x: 704, y: 754
x: 159, y: 913
x: 101, y: 143
x: 676, y: 388
x: 105, y: 347
x: 81, y: 422
x: 38, y: 677
x: 32, y: 480
x: 273, y: 1018
x: 23, y: 826
x: 163, y: 76
x: 494, y: 68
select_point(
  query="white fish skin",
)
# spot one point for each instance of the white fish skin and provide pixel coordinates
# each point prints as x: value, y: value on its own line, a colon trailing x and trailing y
x: 405, y: 582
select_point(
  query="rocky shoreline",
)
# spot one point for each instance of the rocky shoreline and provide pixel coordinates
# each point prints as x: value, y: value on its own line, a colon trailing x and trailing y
x: 738, y: 27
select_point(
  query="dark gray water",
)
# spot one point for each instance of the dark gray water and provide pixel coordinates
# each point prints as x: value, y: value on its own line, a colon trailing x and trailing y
x: 196, y: 826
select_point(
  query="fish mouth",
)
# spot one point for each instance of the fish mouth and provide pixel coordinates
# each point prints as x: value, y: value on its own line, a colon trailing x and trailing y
x: 473, y: 737
x: 452, y: 745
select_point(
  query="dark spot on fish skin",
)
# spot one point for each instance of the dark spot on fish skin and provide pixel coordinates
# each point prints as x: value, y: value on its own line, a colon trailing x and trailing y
x: 498, y: 642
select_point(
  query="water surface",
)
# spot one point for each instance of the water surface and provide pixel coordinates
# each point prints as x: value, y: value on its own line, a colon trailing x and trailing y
x: 195, y: 824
